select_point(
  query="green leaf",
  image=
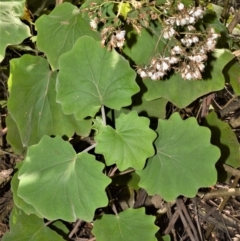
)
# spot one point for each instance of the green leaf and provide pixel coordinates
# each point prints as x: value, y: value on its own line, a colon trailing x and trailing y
x: 13, y: 136
x: 32, y: 102
x: 225, y: 139
x: 216, y: 8
x: 124, y: 9
x: 155, y: 108
x: 181, y: 92
x: 12, y: 30
x: 130, y: 225
x: 129, y: 145
x: 25, y: 227
x: 166, y: 238
x: 185, y: 159
x: 90, y: 77
x: 19, y: 202
x: 129, y: 179
x: 58, y: 31
x: 59, y: 227
x: 70, y: 185
x: 141, y: 48
x: 231, y: 73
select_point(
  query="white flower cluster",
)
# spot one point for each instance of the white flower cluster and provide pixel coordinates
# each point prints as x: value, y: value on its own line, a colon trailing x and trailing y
x: 189, y: 54
x: 113, y: 38
x: 117, y: 39
x: 158, y: 68
x: 192, y: 69
x: 185, y: 58
x: 182, y: 18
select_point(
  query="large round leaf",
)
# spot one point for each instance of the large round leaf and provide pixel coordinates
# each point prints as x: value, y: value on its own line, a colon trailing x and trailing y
x: 129, y: 145
x: 130, y: 225
x: 70, y: 185
x: 32, y: 102
x: 184, y: 162
x: 90, y: 77
x: 58, y: 31
x: 12, y: 30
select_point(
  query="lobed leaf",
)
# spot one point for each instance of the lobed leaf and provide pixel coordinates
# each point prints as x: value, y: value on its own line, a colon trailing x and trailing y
x: 25, y: 227
x: 70, y: 185
x: 91, y: 76
x: 32, y: 102
x: 58, y: 31
x: 12, y: 30
x: 129, y: 145
x: 130, y: 225
x: 184, y: 162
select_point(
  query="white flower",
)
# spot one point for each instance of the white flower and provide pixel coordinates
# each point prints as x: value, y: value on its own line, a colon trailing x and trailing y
x: 210, y: 44
x: 198, y: 13
x: 120, y: 35
x: 202, y: 50
x: 191, y: 20
x: 177, y: 50
x: 160, y: 74
x: 191, y: 28
x: 198, y: 58
x: 173, y: 60
x: 93, y: 23
x: 153, y: 61
x: 168, y: 32
x: 120, y: 44
x: 214, y: 36
x: 183, y: 41
x: 197, y: 74
x: 165, y: 66
x: 201, y: 66
x: 191, y: 11
x: 149, y: 74
x: 171, y: 20
x: 154, y: 76
x: 143, y: 74
x: 158, y: 66
x: 188, y: 76
x: 187, y: 42
x: 180, y: 6
x: 211, y: 30
x: 183, y: 21
x: 195, y: 39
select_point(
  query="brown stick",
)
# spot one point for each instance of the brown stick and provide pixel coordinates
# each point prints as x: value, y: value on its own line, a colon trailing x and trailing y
x: 3, y: 132
x: 234, y: 22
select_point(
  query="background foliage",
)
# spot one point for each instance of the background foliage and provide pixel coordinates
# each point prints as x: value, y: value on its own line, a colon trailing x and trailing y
x: 86, y: 122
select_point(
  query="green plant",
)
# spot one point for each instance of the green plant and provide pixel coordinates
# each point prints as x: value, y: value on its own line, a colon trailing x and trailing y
x: 88, y: 83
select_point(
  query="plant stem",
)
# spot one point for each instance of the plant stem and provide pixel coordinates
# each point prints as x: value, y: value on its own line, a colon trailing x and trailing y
x: 103, y: 115
x: 90, y: 148
x: 112, y: 204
